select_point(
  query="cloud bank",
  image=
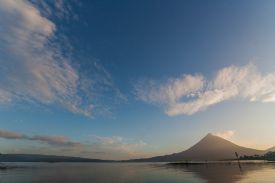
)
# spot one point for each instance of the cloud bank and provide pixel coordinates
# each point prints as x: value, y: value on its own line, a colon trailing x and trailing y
x: 114, y: 147
x: 51, y: 140
x: 189, y: 94
x: 35, y: 64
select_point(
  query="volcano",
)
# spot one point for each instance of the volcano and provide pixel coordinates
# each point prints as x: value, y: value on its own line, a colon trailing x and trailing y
x: 211, y: 148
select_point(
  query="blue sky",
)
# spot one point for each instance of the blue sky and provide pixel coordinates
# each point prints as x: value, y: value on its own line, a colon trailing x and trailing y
x: 127, y: 79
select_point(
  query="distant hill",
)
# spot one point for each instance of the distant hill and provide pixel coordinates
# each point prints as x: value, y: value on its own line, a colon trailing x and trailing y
x: 211, y: 147
x: 272, y: 149
x: 44, y: 158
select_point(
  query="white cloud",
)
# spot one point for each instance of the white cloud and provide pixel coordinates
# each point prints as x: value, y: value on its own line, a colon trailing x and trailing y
x: 170, y: 92
x: 188, y: 96
x: 226, y: 134
x: 34, y: 68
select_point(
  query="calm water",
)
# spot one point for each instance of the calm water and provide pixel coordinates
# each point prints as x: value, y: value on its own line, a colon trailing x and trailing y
x: 136, y: 172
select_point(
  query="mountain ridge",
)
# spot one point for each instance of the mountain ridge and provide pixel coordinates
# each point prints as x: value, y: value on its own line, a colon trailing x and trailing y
x: 45, y: 158
x: 210, y: 147
x: 271, y: 149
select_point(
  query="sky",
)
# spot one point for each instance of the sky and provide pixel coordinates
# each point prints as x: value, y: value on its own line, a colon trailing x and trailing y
x: 130, y: 79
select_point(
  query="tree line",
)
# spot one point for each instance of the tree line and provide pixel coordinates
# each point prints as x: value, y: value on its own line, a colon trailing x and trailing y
x: 270, y: 156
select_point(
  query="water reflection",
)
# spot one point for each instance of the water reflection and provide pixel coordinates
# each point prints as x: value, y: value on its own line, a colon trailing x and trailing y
x: 96, y: 173
x: 229, y: 173
x: 137, y: 173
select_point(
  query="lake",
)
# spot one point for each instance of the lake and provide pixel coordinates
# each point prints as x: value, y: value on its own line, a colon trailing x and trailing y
x: 136, y: 173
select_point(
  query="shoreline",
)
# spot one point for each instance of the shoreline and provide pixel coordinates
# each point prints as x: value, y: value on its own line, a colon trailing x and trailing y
x: 221, y: 162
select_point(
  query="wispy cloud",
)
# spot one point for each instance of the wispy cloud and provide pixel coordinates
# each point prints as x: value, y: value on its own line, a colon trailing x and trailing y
x: 34, y: 67
x: 55, y: 140
x: 51, y: 140
x: 225, y: 134
x: 11, y: 135
x: 61, y: 9
x: 192, y: 93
